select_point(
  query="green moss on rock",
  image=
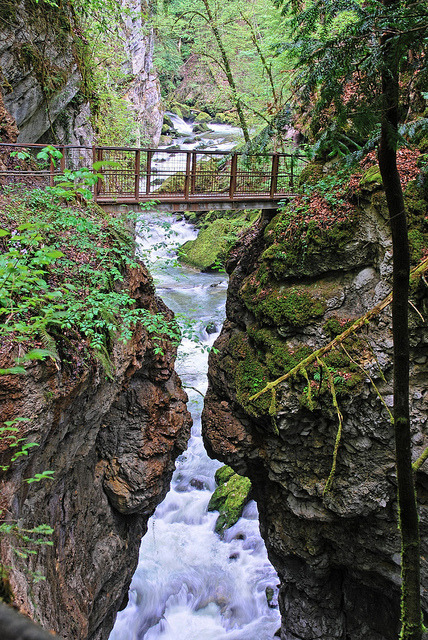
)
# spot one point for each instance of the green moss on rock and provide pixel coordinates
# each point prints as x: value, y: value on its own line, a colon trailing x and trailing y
x: 371, y: 179
x: 250, y: 374
x: 229, y: 498
x: 209, y: 250
x: 223, y: 474
x: 295, y: 306
x: 278, y: 356
x: 415, y: 195
x: 311, y: 174
x: 303, y: 246
x: 418, y: 244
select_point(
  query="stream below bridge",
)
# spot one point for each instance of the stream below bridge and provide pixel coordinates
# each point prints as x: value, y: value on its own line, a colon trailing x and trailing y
x: 191, y: 584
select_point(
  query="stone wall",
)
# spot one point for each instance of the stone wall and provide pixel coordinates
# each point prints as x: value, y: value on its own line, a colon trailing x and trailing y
x: 143, y: 92
x: 40, y: 76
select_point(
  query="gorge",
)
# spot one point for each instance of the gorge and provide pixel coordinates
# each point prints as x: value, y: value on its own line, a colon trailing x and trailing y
x: 100, y: 411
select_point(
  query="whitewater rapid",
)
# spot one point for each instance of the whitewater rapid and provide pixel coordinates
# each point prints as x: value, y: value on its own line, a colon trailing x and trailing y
x: 190, y: 584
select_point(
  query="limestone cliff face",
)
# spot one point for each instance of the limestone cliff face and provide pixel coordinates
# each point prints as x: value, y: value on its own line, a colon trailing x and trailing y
x: 144, y: 90
x: 292, y: 288
x: 43, y: 68
x: 112, y: 445
x: 40, y: 76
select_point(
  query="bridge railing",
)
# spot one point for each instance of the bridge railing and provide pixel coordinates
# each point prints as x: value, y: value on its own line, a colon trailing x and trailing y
x: 135, y: 175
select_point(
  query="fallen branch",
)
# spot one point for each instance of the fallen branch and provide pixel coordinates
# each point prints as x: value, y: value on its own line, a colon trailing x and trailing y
x: 358, y: 324
x: 419, y: 462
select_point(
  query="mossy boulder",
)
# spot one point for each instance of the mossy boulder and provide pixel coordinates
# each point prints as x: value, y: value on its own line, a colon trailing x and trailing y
x: 200, y: 127
x: 227, y: 117
x: 311, y: 174
x: 210, y: 249
x: 230, y: 497
x: 203, y: 117
x: 371, y: 179
x: 313, y: 249
x: 173, y: 184
x: 167, y: 121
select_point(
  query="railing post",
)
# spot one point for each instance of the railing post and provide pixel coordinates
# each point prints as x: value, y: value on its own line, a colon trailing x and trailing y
x: 233, y: 175
x: 62, y: 161
x: 149, y: 171
x: 99, y: 183
x: 193, y: 173
x: 274, y: 175
x: 137, y: 175
x: 291, y: 171
x: 94, y: 159
x: 51, y: 173
x: 187, y: 176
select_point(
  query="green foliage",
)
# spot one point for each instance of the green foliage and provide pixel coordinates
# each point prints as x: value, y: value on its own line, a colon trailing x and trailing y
x: 53, y: 279
x: 188, y: 48
x: 340, y: 59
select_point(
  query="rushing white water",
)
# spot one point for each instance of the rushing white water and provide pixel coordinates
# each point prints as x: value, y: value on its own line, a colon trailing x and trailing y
x: 219, y: 137
x: 190, y: 584
x: 179, y: 124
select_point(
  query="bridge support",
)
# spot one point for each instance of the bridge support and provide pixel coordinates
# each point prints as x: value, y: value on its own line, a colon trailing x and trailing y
x: 182, y: 207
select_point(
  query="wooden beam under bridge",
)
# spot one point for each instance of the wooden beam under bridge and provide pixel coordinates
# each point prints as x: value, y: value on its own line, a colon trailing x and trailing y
x: 196, y: 206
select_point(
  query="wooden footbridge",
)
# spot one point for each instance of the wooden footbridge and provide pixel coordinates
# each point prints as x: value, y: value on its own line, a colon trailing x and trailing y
x: 177, y: 180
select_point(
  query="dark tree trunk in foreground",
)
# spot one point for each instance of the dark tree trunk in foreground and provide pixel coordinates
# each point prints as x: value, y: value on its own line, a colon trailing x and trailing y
x: 411, y: 617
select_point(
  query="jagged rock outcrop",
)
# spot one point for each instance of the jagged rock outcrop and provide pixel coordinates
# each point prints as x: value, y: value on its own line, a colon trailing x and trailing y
x: 40, y: 73
x: 293, y: 286
x: 112, y: 443
x: 44, y: 71
x: 143, y: 92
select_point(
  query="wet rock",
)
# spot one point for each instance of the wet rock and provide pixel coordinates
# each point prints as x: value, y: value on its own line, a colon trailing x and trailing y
x: 211, y: 328
x: 230, y: 497
x: 41, y: 79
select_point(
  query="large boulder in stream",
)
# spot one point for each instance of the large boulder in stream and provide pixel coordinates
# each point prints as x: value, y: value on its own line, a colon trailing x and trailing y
x: 230, y: 497
x: 219, y: 232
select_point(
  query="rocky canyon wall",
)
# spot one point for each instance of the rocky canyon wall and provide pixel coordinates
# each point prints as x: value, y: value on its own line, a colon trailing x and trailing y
x: 296, y: 282
x: 41, y: 73
x: 143, y: 92
x: 46, y: 78
x: 111, y: 442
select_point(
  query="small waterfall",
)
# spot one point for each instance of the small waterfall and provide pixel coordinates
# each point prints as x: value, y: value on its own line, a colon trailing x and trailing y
x: 179, y: 124
x: 190, y: 584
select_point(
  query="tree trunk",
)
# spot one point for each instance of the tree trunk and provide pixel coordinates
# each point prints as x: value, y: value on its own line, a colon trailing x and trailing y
x: 411, y: 616
x: 228, y: 71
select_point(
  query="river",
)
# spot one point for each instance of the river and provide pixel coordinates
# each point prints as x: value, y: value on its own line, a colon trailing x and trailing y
x: 191, y: 584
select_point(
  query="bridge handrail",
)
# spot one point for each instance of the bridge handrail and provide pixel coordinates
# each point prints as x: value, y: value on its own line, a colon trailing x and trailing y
x: 136, y: 173
x: 152, y: 149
